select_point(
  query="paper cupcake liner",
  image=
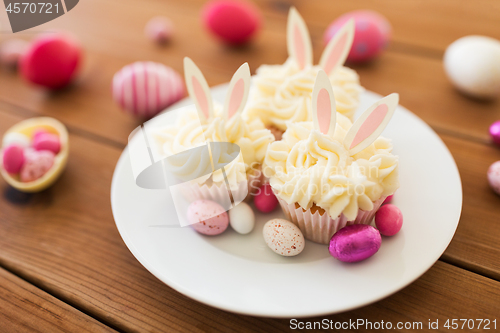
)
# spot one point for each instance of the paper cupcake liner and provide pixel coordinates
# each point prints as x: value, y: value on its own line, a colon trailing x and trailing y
x: 320, y: 228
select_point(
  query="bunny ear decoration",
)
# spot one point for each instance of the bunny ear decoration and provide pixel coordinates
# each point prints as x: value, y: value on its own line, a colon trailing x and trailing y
x: 323, y: 105
x: 198, y: 89
x: 238, y: 92
x: 338, y: 48
x: 298, y: 39
x: 371, y: 124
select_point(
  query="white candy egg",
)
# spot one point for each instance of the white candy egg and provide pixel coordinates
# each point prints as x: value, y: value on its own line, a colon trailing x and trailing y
x: 283, y: 237
x: 17, y: 138
x: 472, y: 63
x: 242, y: 218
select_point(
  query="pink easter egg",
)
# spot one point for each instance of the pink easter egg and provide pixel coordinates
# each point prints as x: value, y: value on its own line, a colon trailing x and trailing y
x: 207, y: 217
x: 13, y: 158
x: 388, y: 199
x: 11, y: 51
x: 145, y: 88
x: 265, y: 200
x: 233, y: 22
x: 355, y: 242
x: 47, y: 141
x: 495, y: 132
x: 159, y: 29
x: 51, y: 60
x: 37, y: 164
x: 371, y: 36
x: 389, y: 220
x: 494, y: 177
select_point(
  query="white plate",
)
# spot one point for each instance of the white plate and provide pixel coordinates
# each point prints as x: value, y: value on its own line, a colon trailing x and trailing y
x: 241, y: 274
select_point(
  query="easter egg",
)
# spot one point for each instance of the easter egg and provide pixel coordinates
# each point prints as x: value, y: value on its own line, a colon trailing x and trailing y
x: 388, y: 199
x: 233, y: 22
x: 283, y: 237
x: 495, y: 132
x: 207, y: 217
x: 16, y: 138
x: 11, y: 51
x: 37, y: 164
x: 494, y: 177
x: 242, y: 218
x: 13, y: 158
x: 51, y: 60
x: 355, y: 242
x: 145, y: 88
x: 389, y: 220
x: 47, y: 141
x: 159, y: 29
x: 371, y: 35
x: 472, y: 64
x: 264, y: 199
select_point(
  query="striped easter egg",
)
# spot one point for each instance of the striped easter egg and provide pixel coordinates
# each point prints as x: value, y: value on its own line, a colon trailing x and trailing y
x: 145, y: 88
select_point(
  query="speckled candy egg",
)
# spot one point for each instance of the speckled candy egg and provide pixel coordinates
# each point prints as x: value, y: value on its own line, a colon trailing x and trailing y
x: 472, y: 63
x: 355, y: 242
x: 207, y: 217
x: 371, y: 36
x: 145, y: 88
x: 233, y: 22
x: 283, y: 237
x: 494, y: 177
x: 242, y: 218
x: 37, y: 164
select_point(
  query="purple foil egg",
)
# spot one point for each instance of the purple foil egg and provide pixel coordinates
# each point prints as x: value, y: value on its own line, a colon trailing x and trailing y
x: 354, y: 243
x: 495, y: 132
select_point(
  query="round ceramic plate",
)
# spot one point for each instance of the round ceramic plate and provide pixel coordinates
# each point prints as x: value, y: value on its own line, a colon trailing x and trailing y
x: 239, y: 273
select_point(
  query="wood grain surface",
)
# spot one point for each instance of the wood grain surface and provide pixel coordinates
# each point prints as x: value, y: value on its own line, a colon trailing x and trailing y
x: 63, y: 264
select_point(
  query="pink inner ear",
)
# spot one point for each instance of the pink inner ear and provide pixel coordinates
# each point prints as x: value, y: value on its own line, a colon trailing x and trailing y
x: 299, y: 47
x: 200, y: 96
x: 324, y: 110
x: 236, y: 98
x: 370, y: 125
x: 335, y: 53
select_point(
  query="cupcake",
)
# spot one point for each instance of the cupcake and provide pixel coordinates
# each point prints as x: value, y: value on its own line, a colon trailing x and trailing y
x: 211, y: 148
x: 282, y: 93
x: 329, y: 173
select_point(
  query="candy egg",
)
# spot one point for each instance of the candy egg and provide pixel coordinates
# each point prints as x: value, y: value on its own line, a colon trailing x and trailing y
x: 242, y: 218
x: 37, y: 164
x: 16, y: 138
x: 495, y: 132
x: 389, y: 220
x: 233, y: 22
x: 47, y: 141
x: 472, y: 63
x: 371, y: 36
x: 283, y: 237
x: 494, y: 177
x: 388, y: 199
x: 28, y: 128
x: 51, y: 60
x: 355, y: 242
x: 159, y: 29
x: 11, y: 51
x: 13, y: 158
x: 207, y: 217
x: 145, y: 88
x: 265, y: 200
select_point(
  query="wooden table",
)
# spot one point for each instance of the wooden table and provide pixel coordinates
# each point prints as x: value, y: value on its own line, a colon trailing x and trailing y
x: 63, y: 265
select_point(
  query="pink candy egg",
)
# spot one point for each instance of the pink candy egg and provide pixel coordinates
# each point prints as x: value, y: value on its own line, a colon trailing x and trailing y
x: 355, y: 242
x: 159, y: 29
x: 389, y: 220
x: 51, y: 60
x: 13, y: 158
x: 372, y: 34
x: 146, y: 88
x: 234, y: 22
x: 494, y: 177
x: 207, y: 217
x: 11, y: 51
x: 495, y: 132
x: 388, y: 199
x: 47, y: 141
x: 265, y: 200
x: 37, y: 164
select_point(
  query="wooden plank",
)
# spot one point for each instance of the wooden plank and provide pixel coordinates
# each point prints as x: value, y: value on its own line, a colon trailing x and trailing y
x: 23, y: 308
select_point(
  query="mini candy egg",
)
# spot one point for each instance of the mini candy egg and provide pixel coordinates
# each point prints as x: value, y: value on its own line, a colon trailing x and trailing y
x: 51, y: 60
x: 388, y: 199
x: 389, y: 220
x: 494, y: 177
x: 265, y: 200
x: 234, y: 22
x: 16, y: 138
x: 159, y: 29
x: 283, y: 237
x: 472, y: 63
x: 47, y: 141
x: 145, y: 88
x: 11, y: 51
x: 355, y: 242
x: 495, y: 132
x: 13, y: 158
x: 242, y: 218
x: 207, y: 217
x: 37, y: 164
x: 371, y: 36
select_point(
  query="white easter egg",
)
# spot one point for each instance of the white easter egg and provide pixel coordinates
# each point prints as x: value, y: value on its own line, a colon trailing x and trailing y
x: 283, y: 237
x: 472, y: 63
x: 242, y: 218
x: 16, y: 138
